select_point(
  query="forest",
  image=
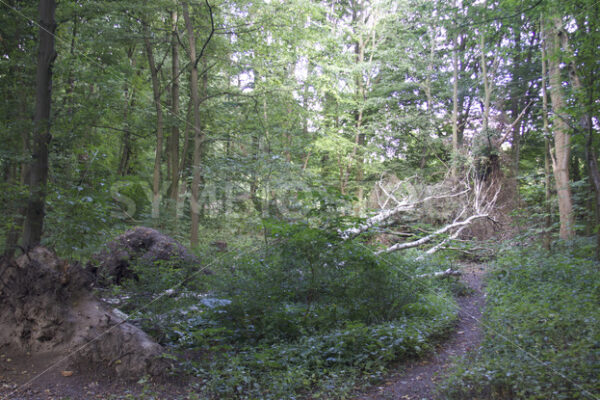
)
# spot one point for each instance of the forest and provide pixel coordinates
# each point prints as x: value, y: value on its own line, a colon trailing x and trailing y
x: 299, y: 199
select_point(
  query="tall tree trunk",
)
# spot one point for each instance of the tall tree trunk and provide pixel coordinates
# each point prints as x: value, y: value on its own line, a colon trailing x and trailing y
x: 359, y: 142
x: 159, y: 125
x: 547, y: 165
x: 562, y: 140
x: 455, y: 138
x: 173, y: 153
x: 592, y: 162
x: 126, y: 145
x: 184, y: 163
x: 198, y: 135
x: 38, y: 174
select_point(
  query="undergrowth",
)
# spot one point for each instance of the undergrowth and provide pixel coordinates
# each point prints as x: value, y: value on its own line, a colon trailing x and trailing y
x: 304, y: 316
x: 542, y: 326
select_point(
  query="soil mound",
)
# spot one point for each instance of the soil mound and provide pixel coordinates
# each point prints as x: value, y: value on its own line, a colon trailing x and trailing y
x: 46, y: 305
x: 140, y: 245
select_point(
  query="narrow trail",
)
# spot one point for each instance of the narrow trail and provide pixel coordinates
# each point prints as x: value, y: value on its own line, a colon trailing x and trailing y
x: 417, y: 380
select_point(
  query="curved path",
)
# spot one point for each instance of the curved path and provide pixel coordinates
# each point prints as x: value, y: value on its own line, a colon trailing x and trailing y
x: 417, y: 380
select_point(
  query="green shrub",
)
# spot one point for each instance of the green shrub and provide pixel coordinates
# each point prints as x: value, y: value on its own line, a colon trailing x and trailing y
x: 304, y: 316
x: 327, y: 365
x: 311, y: 316
x: 542, y: 325
x: 307, y: 282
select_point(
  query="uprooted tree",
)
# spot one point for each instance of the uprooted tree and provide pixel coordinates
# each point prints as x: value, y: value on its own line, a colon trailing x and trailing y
x: 47, y: 305
x: 455, y: 204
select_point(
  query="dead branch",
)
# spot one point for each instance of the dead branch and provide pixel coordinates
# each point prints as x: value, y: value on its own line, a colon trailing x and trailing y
x: 440, y: 274
x: 477, y: 197
x: 383, y: 217
x: 514, y: 123
x: 428, y: 238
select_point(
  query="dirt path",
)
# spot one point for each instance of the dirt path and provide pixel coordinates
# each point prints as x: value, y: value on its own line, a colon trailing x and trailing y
x: 417, y: 381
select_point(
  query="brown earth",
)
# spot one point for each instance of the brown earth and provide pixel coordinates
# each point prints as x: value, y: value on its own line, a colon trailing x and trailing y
x: 52, y: 327
x: 40, y: 377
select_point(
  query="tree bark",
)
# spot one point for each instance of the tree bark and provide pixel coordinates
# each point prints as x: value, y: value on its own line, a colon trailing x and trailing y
x: 198, y: 135
x: 562, y: 139
x: 159, y: 125
x: 547, y: 164
x: 38, y: 174
x: 173, y: 153
x: 455, y: 137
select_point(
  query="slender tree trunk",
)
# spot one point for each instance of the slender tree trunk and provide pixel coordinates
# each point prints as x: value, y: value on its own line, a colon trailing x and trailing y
x: 256, y: 201
x: 562, y: 140
x: 126, y: 145
x: 198, y: 135
x: 547, y: 164
x: 159, y: 125
x: 487, y: 88
x: 455, y: 139
x: 173, y: 153
x: 359, y: 142
x: 592, y: 162
x: 184, y: 163
x: 38, y: 174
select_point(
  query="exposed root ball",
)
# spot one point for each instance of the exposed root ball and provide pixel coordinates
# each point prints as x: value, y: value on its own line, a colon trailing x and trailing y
x: 139, y: 245
x: 46, y: 306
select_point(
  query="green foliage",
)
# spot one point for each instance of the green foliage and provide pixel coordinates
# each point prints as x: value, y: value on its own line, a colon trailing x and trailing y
x: 304, y: 315
x: 305, y: 282
x: 542, y: 330
x: 320, y: 366
x: 78, y: 219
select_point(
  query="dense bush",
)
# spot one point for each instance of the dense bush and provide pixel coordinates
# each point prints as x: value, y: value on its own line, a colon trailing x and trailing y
x: 306, y: 282
x: 542, y: 326
x: 304, y: 313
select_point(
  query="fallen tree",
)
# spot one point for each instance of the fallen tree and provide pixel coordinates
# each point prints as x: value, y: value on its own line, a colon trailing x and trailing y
x: 46, y: 306
x: 471, y: 199
x: 416, y: 243
x: 385, y: 217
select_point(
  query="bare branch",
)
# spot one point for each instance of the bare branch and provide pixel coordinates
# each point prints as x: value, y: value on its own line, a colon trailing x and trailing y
x: 440, y: 274
x: 515, y: 122
x: 428, y: 238
x: 386, y: 215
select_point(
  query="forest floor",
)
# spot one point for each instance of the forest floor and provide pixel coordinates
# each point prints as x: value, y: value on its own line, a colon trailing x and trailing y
x: 41, y: 376
x: 416, y: 380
